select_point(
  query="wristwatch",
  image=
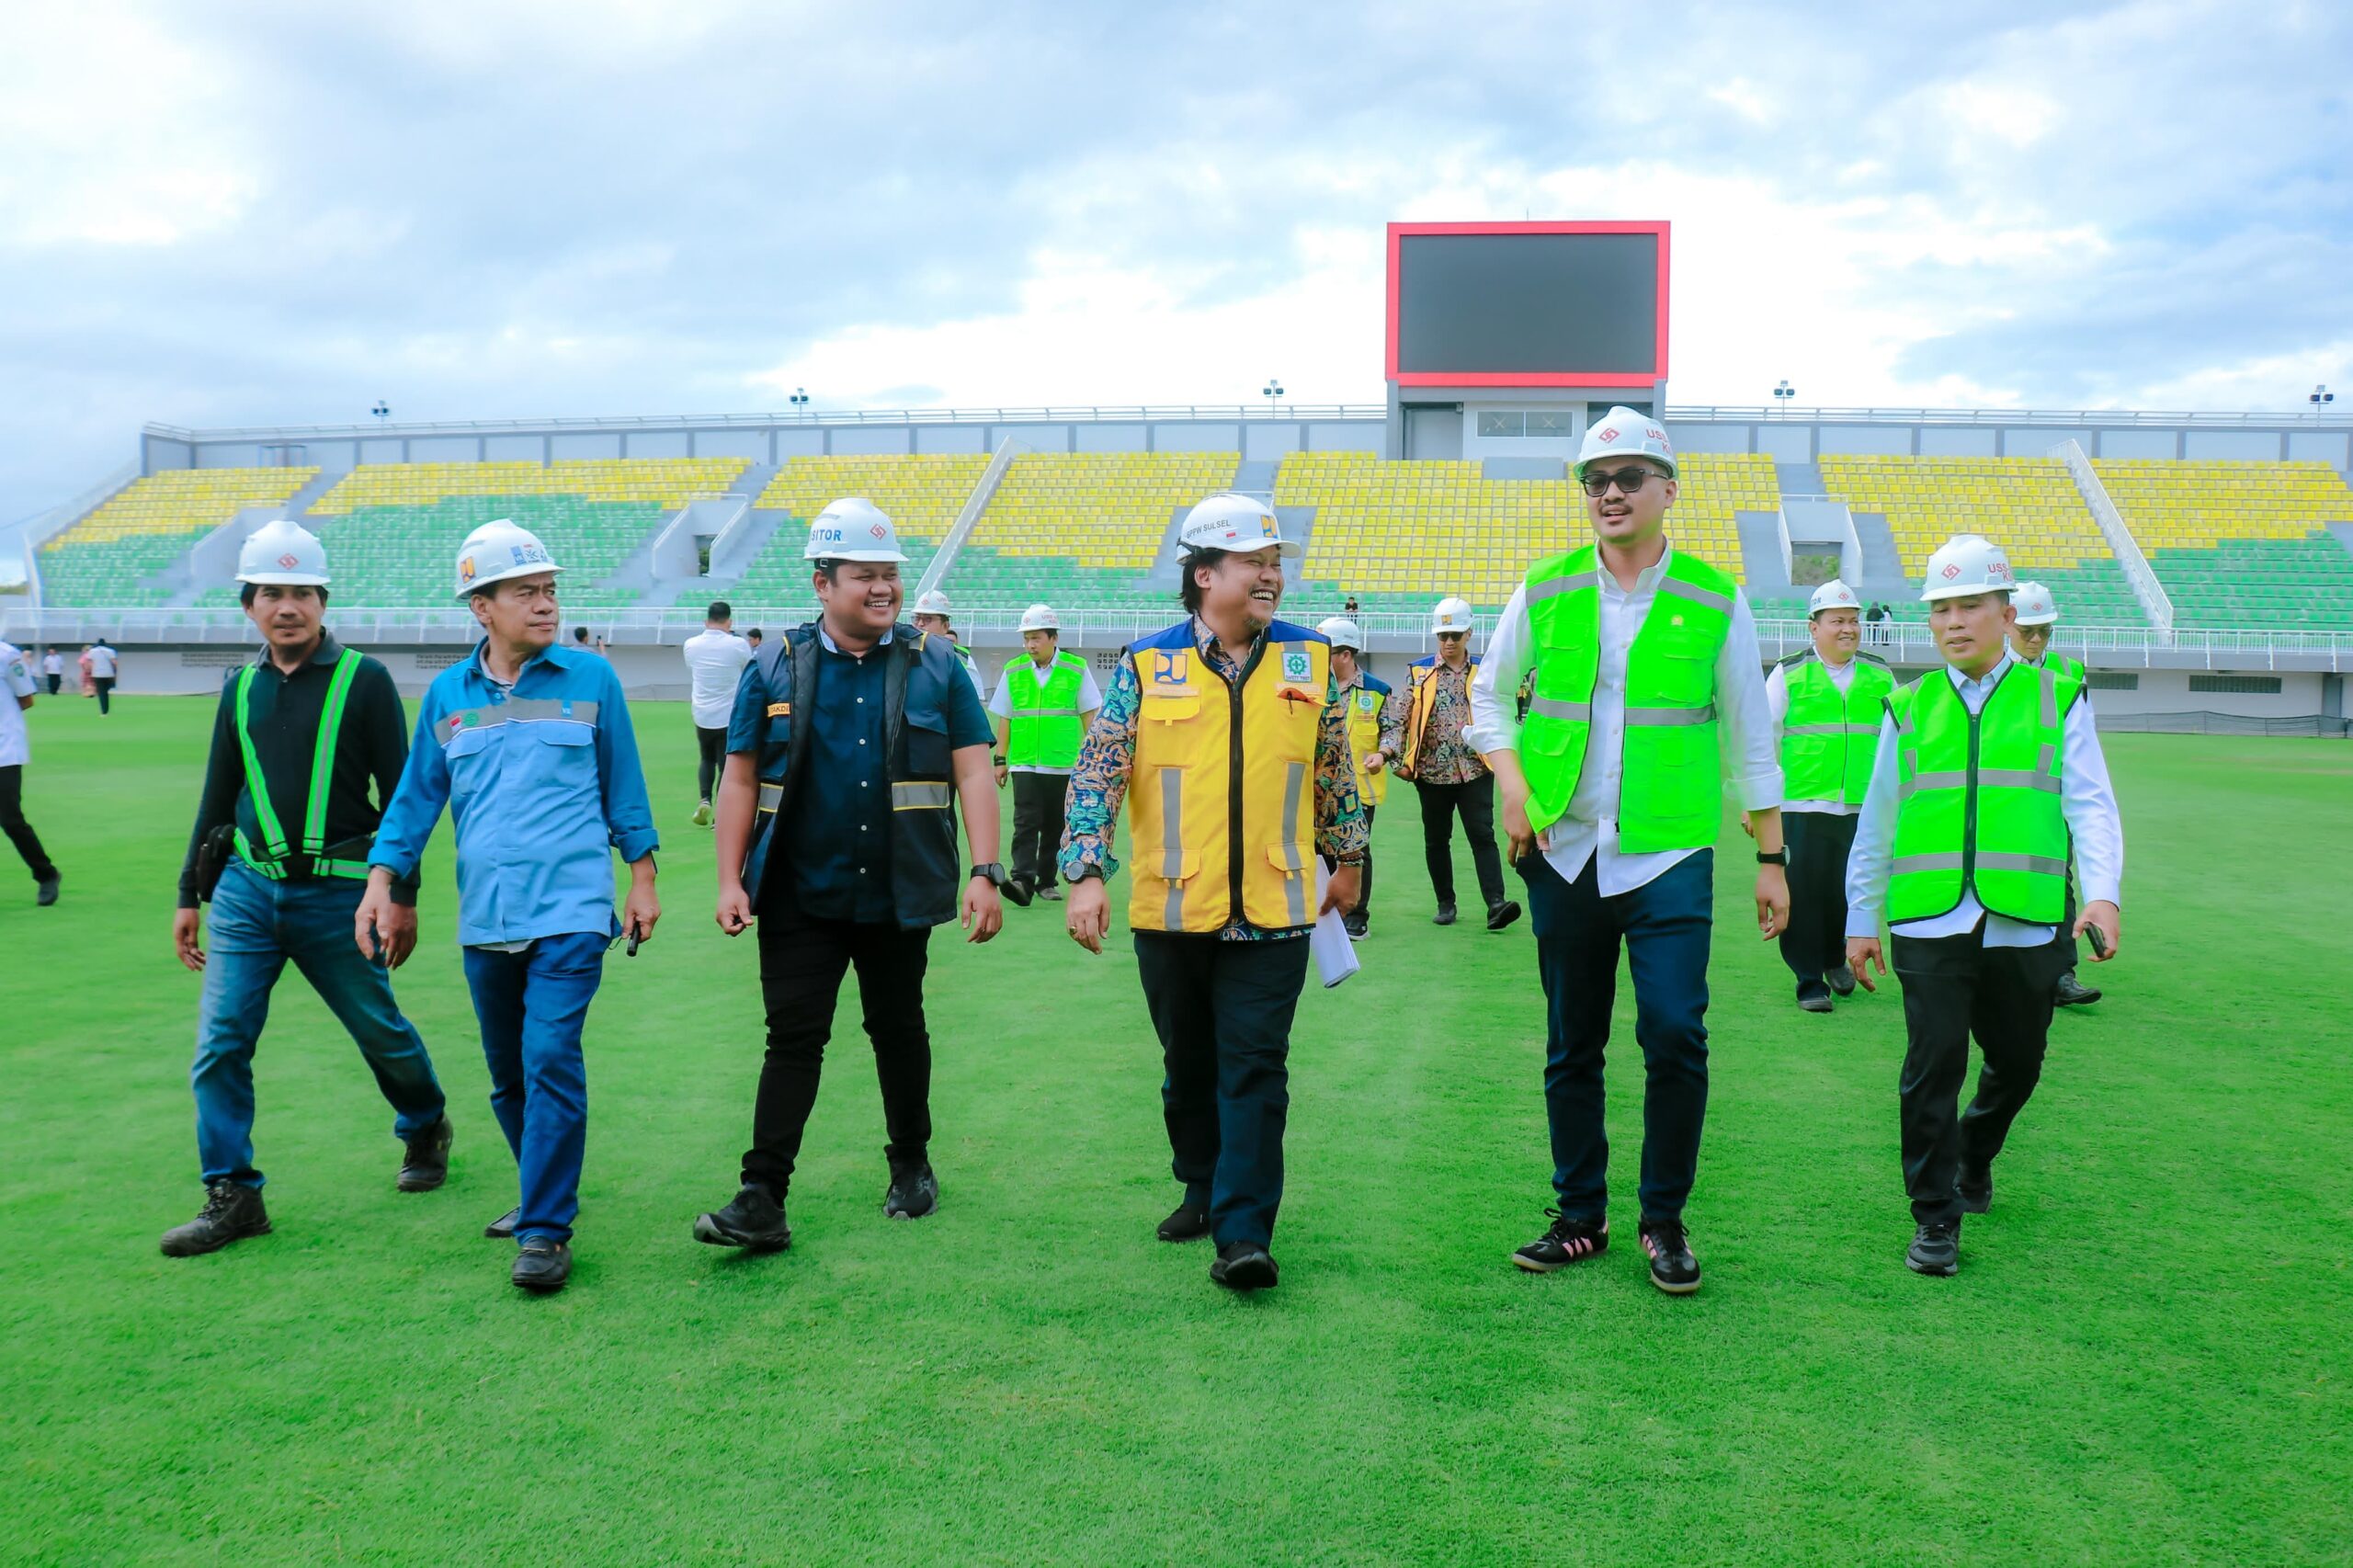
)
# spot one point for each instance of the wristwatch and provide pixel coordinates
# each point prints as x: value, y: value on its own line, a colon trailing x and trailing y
x: 993, y: 874
x: 997, y: 761
x: 1777, y: 857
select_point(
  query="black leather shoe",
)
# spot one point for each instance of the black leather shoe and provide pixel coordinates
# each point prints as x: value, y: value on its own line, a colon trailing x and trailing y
x: 1186, y: 1223
x: 1976, y: 1190
x: 2073, y: 993
x: 1445, y: 915
x: 1243, y: 1266
x: 46, y: 891
x: 1936, y: 1249
x: 1357, y: 926
x: 1568, y: 1241
x: 1841, y: 980
x: 542, y: 1265
x: 1022, y: 890
x: 914, y: 1193
x: 1815, y: 998
x: 754, y: 1221
x: 1501, y: 915
x: 230, y: 1213
x: 1673, y: 1267
x: 503, y: 1228
x: 1052, y: 893
x: 425, y: 1166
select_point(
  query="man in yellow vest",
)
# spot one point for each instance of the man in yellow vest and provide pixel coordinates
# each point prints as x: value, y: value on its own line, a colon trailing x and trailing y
x: 1044, y: 704
x: 1988, y: 770
x: 1228, y: 701
x: 1647, y: 672
x: 1825, y: 704
x: 1447, y: 771
x: 2037, y: 612
x: 1376, y: 730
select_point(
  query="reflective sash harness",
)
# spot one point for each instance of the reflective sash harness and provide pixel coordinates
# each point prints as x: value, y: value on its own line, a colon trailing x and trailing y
x: 275, y: 851
x: 1978, y: 797
x: 1045, y: 730
x: 1364, y: 702
x: 1670, y: 793
x: 1829, y: 737
x: 1222, y: 794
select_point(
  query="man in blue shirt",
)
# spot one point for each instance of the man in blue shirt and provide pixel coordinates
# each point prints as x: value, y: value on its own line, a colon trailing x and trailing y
x: 851, y: 738
x: 529, y: 745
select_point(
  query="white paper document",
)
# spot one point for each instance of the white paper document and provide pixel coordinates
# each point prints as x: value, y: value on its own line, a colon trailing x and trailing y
x: 1334, y: 949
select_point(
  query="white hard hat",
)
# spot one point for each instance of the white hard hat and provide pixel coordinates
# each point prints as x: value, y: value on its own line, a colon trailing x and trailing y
x: 283, y: 552
x: 1833, y: 595
x: 2034, y: 604
x: 1236, y: 523
x: 852, y: 528
x: 1964, y: 565
x: 1451, y: 615
x: 1342, y: 633
x: 1040, y: 618
x: 1621, y: 432
x: 931, y: 603
x: 498, y: 551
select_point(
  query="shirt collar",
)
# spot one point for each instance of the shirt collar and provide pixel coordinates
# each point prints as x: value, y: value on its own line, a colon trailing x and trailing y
x: 326, y: 652
x: 1203, y: 637
x: 826, y: 639
x: 554, y: 655
x: 1983, y: 683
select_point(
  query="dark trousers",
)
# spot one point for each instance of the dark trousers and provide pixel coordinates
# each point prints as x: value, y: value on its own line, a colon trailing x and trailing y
x: 1664, y: 925
x: 1816, y: 939
x: 1954, y: 987
x: 1363, y: 909
x: 801, y: 964
x: 12, y: 820
x: 54, y: 682
x: 1475, y: 801
x: 710, y: 746
x: 105, y: 685
x: 1222, y: 1011
x: 1038, y: 801
x: 2069, y: 957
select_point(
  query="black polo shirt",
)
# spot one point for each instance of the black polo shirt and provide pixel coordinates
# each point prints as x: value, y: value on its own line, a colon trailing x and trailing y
x: 284, y: 711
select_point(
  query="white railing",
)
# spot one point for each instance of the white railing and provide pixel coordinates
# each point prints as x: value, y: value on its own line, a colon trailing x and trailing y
x: 2119, y: 534
x: 45, y: 526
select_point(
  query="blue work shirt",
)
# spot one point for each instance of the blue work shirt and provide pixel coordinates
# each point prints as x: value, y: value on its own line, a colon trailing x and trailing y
x: 543, y: 783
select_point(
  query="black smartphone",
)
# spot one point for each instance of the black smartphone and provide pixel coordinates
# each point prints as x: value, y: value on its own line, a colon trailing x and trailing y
x: 2099, y: 939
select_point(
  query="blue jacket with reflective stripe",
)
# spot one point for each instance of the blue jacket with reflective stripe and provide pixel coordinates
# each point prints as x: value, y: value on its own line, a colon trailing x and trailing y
x: 543, y: 784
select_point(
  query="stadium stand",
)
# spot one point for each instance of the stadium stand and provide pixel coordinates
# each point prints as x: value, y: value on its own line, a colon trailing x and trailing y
x: 106, y: 558
x: 2240, y: 544
x: 922, y: 493
x: 1081, y: 527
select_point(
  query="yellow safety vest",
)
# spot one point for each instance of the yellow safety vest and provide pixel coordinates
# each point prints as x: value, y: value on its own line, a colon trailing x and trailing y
x: 1365, y: 699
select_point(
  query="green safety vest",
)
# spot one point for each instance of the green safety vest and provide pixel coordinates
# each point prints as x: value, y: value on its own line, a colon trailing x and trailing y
x: 1979, y: 803
x: 2064, y: 665
x: 1828, y: 736
x: 276, y: 850
x: 1669, y: 794
x: 1045, y: 730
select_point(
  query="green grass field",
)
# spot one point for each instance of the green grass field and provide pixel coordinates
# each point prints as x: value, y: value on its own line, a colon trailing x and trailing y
x: 2147, y: 1358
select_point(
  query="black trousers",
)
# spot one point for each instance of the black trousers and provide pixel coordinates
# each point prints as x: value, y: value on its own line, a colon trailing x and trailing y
x: 54, y: 682
x: 1038, y: 800
x: 1955, y: 987
x: 711, y: 748
x: 1475, y: 802
x: 2069, y: 954
x: 105, y: 685
x: 12, y: 821
x: 1363, y: 907
x: 1222, y: 1011
x: 1815, y: 942
x: 802, y: 965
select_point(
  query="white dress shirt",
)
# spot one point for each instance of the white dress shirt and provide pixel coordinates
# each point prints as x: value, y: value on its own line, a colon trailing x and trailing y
x: 1744, y: 726
x: 102, y: 662
x: 1090, y: 697
x: 2085, y: 796
x: 715, y: 661
x: 1777, y: 699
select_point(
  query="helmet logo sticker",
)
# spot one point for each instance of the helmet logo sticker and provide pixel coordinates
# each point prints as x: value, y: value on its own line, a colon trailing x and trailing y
x: 1951, y: 571
x: 1609, y: 434
x: 289, y: 559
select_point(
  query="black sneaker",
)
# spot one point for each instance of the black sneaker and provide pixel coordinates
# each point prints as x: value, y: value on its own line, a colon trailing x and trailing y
x: 1841, y: 980
x: 755, y: 1220
x: 1501, y: 915
x: 915, y: 1192
x: 1187, y: 1221
x: 230, y: 1213
x: 1936, y: 1249
x: 1673, y: 1268
x: 1569, y: 1240
x: 1052, y: 893
x: 2073, y: 993
x: 426, y: 1164
x: 541, y: 1265
x: 1021, y: 890
x: 1976, y: 1190
x: 1815, y: 997
x: 1445, y: 915
x: 1243, y: 1266
x: 45, y: 891
x: 1358, y: 926
x: 503, y: 1228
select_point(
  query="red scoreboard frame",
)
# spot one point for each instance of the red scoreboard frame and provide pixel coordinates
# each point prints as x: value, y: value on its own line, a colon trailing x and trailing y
x: 1400, y: 232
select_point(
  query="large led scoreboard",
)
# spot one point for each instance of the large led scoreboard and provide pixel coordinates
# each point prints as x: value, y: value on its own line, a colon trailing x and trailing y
x: 1500, y: 335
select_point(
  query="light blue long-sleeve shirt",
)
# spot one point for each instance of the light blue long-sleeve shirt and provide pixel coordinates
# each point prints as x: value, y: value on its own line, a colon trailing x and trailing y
x: 542, y: 782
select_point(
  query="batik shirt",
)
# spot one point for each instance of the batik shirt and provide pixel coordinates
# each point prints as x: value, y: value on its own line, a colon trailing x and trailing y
x: 1446, y: 757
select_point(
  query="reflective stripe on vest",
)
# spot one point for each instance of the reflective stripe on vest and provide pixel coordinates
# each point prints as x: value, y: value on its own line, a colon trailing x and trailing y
x: 274, y: 852
x: 1044, y: 729
x: 1670, y: 796
x: 1197, y: 849
x: 1364, y: 739
x: 1830, y: 737
x: 1979, y: 798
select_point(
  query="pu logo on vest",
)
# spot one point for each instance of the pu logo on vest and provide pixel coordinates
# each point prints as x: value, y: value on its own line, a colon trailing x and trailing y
x: 1168, y: 669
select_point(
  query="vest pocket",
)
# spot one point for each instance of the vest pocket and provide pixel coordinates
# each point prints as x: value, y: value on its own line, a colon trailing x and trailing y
x: 927, y: 748
x: 1293, y: 860
x: 1173, y: 707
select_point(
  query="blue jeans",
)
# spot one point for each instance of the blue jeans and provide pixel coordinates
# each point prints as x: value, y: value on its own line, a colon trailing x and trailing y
x: 1664, y: 925
x: 533, y: 1005
x: 256, y: 926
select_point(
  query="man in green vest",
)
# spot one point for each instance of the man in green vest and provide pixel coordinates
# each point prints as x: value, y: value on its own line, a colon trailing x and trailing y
x: 1989, y: 771
x: 2037, y: 612
x: 1042, y: 706
x: 1825, y: 703
x: 1649, y: 686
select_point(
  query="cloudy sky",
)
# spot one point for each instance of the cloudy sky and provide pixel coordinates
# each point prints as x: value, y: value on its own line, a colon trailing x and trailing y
x: 247, y: 213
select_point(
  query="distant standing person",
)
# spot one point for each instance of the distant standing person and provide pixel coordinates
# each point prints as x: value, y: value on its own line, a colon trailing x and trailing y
x: 1042, y: 707
x: 715, y: 661
x: 15, y: 751
x: 53, y: 666
x: 1447, y: 771
x: 752, y: 637
x: 584, y: 644
x: 103, y: 669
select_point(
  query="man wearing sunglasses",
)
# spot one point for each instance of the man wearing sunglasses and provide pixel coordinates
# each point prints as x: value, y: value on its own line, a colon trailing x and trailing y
x: 1647, y: 672
x: 1445, y: 770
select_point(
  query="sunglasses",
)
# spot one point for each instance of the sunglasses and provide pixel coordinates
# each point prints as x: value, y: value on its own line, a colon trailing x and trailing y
x: 1628, y: 480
